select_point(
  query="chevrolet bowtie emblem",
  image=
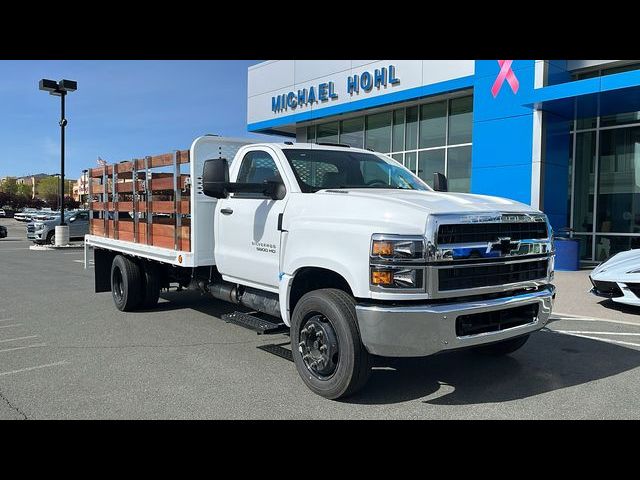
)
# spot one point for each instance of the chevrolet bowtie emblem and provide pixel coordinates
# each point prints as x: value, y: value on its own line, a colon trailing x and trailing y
x: 504, y: 245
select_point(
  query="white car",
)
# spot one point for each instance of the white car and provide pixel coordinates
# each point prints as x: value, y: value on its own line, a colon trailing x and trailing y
x: 2, y: 213
x: 618, y: 278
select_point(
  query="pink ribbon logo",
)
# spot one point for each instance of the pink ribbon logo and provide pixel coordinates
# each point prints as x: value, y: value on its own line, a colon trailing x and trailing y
x: 506, y: 73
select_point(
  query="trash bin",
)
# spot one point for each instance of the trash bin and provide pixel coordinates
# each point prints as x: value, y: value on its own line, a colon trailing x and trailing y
x: 567, y: 254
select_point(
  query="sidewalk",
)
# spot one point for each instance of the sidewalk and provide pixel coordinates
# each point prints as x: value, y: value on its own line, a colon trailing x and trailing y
x: 573, y: 298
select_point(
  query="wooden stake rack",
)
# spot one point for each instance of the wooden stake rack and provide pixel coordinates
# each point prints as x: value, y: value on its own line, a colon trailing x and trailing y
x: 130, y: 201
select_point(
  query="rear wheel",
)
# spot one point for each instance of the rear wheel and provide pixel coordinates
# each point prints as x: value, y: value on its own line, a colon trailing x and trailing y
x: 503, y: 348
x: 150, y: 285
x: 327, y: 350
x: 126, y: 283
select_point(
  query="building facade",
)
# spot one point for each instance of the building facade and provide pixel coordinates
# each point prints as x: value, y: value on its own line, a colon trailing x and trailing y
x: 560, y: 135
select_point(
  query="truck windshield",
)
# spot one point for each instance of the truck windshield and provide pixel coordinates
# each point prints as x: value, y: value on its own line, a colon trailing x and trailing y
x: 320, y: 169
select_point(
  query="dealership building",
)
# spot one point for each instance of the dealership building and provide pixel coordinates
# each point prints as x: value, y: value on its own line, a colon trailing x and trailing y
x: 560, y: 135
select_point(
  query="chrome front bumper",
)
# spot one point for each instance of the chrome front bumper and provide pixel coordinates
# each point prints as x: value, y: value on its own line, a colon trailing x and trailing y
x: 421, y: 330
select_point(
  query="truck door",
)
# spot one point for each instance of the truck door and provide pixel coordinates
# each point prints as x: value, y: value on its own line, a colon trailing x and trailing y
x: 246, y: 231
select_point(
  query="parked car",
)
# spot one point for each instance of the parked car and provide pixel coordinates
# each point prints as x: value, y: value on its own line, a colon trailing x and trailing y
x: 2, y: 212
x: 3, y: 231
x: 43, y: 231
x: 618, y: 278
x: 25, y: 215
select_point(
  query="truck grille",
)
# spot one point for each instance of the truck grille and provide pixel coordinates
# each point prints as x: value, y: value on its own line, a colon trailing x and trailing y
x: 490, y: 232
x: 458, y: 278
x: 496, y: 321
x: 31, y: 229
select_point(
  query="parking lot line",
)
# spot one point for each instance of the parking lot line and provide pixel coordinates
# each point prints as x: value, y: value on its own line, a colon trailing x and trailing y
x: 17, y: 338
x: 599, y: 333
x: 606, y: 340
x: 22, y: 348
x: 14, y: 325
x: 565, y: 316
x: 6, y: 320
x: 37, y: 367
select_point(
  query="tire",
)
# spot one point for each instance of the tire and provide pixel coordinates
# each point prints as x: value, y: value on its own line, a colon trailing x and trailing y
x: 51, y: 238
x: 150, y: 285
x: 503, y: 348
x: 126, y: 283
x: 334, y: 311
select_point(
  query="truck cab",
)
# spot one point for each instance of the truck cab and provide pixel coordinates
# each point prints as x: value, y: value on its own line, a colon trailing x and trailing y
x: 358, y: 257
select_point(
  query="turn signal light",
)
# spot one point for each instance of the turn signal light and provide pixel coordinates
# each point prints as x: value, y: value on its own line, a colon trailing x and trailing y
x: 381, y: 277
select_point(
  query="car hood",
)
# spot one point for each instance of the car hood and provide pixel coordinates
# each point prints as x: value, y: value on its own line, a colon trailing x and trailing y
x: 618, y: 266
x: 436, y: 202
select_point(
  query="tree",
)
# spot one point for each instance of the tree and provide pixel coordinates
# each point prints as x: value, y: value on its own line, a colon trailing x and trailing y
x: 9, y: 185
x: 48, y: 189
x: 24, y: 190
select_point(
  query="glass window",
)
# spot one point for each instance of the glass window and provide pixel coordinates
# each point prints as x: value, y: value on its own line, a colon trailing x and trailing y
x: 460, y: 120
x: 311, y: 134
x: 433, y: 118
x: 411, y: 131
x: 378, y: 132
x: 623, y: 68
x: 328, y: 132
x: 430, y: 161
x: 619, y: 119
x: 398, y: 157
x: 459, y: 169
x: 258, y: 167
x: 344, y: 169
x: 584, y: 180
x: 586, y: 242
x: 585, y: 75
x: 410, y: 161
x: 398, y: 131
x: 352, y: 132
x: 607, y: 246
x: 619, y: 181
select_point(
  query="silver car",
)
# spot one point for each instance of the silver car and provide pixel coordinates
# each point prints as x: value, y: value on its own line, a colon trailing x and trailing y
x: 43, y: 231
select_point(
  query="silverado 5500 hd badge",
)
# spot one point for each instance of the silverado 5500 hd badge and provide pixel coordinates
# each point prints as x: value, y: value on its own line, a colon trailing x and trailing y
x: 264, y: 247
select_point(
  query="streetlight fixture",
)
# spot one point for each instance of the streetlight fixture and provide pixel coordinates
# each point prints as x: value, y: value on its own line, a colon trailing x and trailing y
x: 60, y: 89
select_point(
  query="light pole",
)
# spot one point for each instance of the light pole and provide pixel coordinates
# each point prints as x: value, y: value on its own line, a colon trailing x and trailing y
x: 60, y: 89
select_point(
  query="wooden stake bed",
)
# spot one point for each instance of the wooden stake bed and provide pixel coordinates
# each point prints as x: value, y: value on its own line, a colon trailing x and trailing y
x: 145, y: 201
x: 155, y: 207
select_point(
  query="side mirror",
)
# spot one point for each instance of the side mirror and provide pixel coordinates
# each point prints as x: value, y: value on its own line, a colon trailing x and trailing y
x: 275, y: 190
x: 439, y: 182
x: 215, y: 177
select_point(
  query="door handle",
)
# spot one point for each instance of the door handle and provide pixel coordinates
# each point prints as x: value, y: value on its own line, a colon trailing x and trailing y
x: 226, y: 211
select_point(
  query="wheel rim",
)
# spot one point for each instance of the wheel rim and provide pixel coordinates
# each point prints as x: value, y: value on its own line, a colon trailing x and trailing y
x: 118, y: 286
x: 52, y: 239
x: 319, y: 346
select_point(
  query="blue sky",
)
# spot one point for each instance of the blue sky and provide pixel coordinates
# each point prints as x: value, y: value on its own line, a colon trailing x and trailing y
x: 121, y: 110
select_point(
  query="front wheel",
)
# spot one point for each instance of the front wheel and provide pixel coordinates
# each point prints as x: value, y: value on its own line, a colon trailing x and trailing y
x: 326, y: 345
x: 503, y: 348
x: 51, y: 238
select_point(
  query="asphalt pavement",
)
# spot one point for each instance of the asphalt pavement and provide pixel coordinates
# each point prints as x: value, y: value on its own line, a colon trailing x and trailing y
x: 67, y: 353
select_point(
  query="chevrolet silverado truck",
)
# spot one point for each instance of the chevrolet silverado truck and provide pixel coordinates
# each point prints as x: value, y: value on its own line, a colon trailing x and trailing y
x: 344, y: 248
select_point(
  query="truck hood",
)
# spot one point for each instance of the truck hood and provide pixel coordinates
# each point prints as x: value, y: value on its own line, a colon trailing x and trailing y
x: 435, y: 202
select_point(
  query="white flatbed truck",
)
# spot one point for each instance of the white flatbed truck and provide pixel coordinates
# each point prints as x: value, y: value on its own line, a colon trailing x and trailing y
x: 351, y: 252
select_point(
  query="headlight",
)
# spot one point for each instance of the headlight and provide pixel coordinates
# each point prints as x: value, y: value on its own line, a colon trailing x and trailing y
x: 38, y: 226
x: 391, y: 262
x: 397, y: 247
